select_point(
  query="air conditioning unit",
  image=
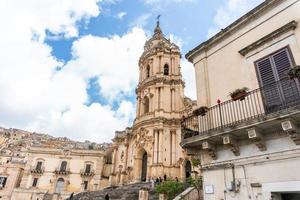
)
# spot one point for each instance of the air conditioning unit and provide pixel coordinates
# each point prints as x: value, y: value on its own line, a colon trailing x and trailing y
x: 226, y: 140
x: 230, y: 186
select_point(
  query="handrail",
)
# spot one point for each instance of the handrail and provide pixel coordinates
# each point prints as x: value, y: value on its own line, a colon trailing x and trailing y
x: 256, y: 104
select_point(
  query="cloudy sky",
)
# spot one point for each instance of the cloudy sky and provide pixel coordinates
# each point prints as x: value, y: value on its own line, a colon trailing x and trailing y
x: 69, y: 67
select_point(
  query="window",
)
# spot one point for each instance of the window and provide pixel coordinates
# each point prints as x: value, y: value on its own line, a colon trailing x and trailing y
x: 87, y: 168
x: 85, y: 185
x: 166, y: 70
x: 34, y: 183
x: 39, y: 165
x: 148, y: 71
x: 277, y: 89
x: 63, y: 166
x: 3, y: 181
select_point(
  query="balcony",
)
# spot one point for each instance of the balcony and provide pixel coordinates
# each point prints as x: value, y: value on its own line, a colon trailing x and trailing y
x: 60, y: 171
x: 84, y: 172
x: 259, y: 108
x: 37, y: 170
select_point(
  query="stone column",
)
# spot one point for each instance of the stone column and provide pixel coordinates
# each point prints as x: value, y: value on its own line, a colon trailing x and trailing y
x: 138, y: 106
x: 113, y: 167
x: 126, y: 157
x: 160, y: 150
x: 161, y: 95
x: 158, y: 98
x: 173, y: 136
x: 155, y: 156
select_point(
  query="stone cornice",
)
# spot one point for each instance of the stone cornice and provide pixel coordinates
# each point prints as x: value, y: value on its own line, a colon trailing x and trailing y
x: 278, y: 32
x: 155, y: 80
x: 156, y: 121
x: 154, y: 52
x: 58, y: 152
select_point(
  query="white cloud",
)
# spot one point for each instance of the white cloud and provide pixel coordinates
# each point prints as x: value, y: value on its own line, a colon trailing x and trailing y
x: 113, y: 60
x: 153, y: 2
x: 121, y: 15
x: 229, y: 12
x: 36, y: 97
x: 188, y: 73
x: 141, y: 21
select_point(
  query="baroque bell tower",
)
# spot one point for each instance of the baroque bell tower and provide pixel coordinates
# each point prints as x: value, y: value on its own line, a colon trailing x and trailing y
x: 160, y: 105
x: 151, y: 147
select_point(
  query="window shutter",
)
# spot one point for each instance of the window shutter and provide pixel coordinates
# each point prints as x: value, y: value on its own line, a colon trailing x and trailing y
x: 283, y: 64
x: 267, y: 79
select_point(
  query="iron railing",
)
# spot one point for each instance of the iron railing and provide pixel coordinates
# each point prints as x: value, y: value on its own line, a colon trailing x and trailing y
x: 256, y: 104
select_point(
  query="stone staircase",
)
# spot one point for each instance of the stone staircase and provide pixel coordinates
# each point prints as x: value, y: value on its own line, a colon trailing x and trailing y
x: 126, y: 192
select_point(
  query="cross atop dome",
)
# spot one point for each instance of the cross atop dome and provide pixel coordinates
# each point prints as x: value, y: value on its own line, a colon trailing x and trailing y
x: 157, y: 30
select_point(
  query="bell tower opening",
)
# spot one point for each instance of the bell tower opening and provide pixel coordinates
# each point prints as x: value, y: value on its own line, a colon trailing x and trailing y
x: 148, y: 71
x: 166, y: 70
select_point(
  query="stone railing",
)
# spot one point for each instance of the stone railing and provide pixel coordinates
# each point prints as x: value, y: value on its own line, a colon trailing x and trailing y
x: 84, y: 172
x: 62, y: 172
x: 35, y: 170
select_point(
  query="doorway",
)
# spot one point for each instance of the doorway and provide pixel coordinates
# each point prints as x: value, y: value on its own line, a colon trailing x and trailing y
x: 59, y: 185
x: 144, y: 167
x: 188, y: 169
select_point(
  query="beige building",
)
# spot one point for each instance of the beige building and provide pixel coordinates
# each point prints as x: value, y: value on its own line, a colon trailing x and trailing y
x: 150, y: 148
x: 38, y: 166
x: 59, y: 172
x: 11, y: 169
x: 248, y: 142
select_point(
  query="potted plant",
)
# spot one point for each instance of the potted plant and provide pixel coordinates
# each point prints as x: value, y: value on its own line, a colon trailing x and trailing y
x: 201, y: 111
x: 239, y: 94
x: 294, y: 72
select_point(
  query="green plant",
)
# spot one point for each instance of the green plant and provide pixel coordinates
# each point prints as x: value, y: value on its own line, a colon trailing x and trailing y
x: 201, y: 111
x: 197, y: 184
x: 239, y: 93
x: 294, y: 72
x: 195, y: 162
x: 170, y: 188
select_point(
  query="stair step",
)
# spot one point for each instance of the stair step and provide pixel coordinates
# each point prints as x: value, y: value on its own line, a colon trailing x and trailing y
x: 126, y: 192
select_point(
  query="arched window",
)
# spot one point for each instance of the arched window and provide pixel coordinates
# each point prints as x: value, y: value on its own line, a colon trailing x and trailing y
x: 146, y: 105
x: 148, y: 71
x: 166, y: 70
x: 63, y: 166
x: 59, y: 185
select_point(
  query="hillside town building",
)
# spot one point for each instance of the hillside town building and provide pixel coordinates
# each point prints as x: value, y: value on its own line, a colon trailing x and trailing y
x: 248, y: 140
x: 38, y: 166
x: 244, y: 127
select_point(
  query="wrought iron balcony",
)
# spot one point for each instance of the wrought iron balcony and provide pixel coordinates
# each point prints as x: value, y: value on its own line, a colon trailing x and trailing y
x: 84, y: 172
x: 37, y: 170
x: 60, y: 171
x: 257, y: 105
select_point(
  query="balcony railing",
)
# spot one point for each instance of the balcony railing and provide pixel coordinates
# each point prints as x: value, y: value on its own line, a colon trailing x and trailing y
x: 37, y: 170
x: 257, y: 104
x: 62, y: 171
x: 84, y: 172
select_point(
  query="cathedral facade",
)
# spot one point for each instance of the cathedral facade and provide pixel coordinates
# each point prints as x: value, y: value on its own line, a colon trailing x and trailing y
x: 151, y: 147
